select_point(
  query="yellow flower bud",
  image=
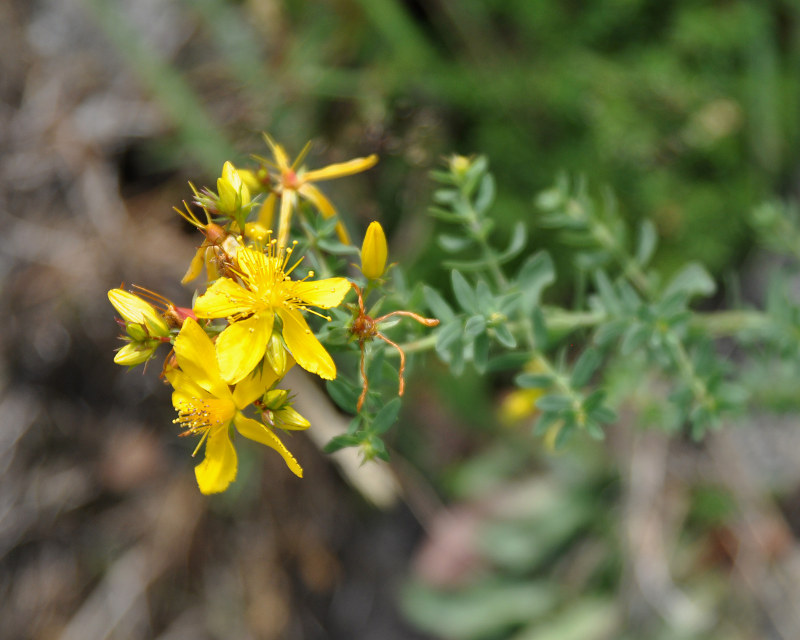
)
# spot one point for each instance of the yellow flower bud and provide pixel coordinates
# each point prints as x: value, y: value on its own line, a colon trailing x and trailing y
x: 459, y: 165
x: 233, y: 192
x: 374, y: 252
x: 277, y: 357
x: 135, y: 353
x: 136, y: 311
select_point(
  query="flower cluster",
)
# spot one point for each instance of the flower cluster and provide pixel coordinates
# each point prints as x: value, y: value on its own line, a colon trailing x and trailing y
x: 250, y: 324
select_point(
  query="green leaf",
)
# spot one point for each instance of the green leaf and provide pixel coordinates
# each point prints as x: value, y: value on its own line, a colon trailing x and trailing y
x: 585, y: 367
x: 386, y: 417
x: 516, y: 244
x: 605, y: 290
x: 646, y: 243
x: 536, y: 273
x: 634, y: 338
x: 526, y: 380
x: 343, y: 393
x: 693, y: 280
x: 447, y: 336
x: 464, y: 293
x: 539, y: 329
x: 483, y: 293
x: 437, y: 305
x: 486, y: 193
x: 504, y: 336
x: 480, y: 353
x: 474, y: 327
x: 553, y: 403
x: 453, y: 244
x: 341, y: 442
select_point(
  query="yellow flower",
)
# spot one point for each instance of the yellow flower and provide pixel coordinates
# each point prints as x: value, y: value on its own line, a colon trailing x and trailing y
x: 251, y: 309
x: 374, y: 252
x: 293, y: 182
x: 206, y: 405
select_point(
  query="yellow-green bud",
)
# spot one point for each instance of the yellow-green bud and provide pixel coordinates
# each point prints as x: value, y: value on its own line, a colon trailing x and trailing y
x: 275, y: 399
x: 278, y: 359
x: 135, y: 353
x: 459, y: 165
x: 233, y: 192
x: 374, y: 252
x: 136, y: 311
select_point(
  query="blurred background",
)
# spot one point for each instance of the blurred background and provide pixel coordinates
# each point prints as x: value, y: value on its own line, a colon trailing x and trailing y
x: 689, y: 110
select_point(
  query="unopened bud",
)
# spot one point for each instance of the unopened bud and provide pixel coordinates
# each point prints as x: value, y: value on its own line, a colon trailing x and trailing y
x: 374, y: 252
x: 277, y: 356
x: 136, y: 311
x: 135, y: 353
x: 233, y: 193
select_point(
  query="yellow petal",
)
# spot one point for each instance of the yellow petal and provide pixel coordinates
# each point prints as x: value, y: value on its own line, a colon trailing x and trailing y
x: 322, y: 293
x: 254, y: 430
x: 266, y: 215
x: 216, y: 472
x: 254, y: 386
x: 304, y: 346
x: 195, y: 266
x: 242, y: 345
x: 281, y: 159
x: 198, y: 359
x: 326, y: 208
x: 288, y: 205
x: 185, y: 388
x: 224, y: 298
x: 254, y: 265
x: 341, y: 169
x: 374, y: 252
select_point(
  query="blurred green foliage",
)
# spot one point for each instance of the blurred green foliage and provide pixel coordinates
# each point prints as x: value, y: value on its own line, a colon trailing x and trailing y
x: 687, y: 108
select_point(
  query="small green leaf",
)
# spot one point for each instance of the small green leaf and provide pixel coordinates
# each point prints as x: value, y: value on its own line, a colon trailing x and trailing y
x: 553, y: 403
x: 447, y: 336
x: 341, y: 442
x: 486, y: 193
x: 527, y: 380
x: 585, y: 367
x: 504, y: 336
x: 474, y: 327
x: 693, y: 280
x: 539, y: 329
x: 646, y: 243
x: 605, y: 290
x: 480, y: 353
x: 453, y: 244
x: 386, y: 417
x: 536, y: 273
x: 464, y: 293
x: 516, y: 244
x: 437, y: 305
